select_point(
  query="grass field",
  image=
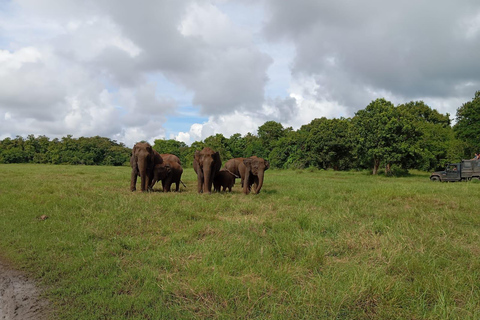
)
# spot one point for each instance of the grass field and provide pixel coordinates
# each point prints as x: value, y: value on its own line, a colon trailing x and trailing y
x: 312, y: 245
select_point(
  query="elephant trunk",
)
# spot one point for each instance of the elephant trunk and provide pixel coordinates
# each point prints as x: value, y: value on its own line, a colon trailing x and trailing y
x: 260, y: 182
x: 207, y: 179
x: 246, y: 183
x: 144, y: 176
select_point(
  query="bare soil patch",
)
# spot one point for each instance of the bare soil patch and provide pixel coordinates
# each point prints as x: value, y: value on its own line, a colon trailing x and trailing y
x: 19, y: 297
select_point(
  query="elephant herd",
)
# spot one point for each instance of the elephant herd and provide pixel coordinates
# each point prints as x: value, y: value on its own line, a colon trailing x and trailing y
x: 152, y: 167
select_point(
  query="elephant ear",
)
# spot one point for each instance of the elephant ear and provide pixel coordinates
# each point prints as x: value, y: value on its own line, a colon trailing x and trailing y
x: 151, y: 155
x: 218, y: 161
x: 196, y: 165
x: 132, y: 161
x: 168, y: 167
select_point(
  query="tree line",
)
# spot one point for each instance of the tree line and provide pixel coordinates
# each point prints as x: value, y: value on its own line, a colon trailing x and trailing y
x: 382, y: 138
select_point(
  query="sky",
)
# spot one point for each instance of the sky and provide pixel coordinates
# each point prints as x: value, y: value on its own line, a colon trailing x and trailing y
x: 189, y: 69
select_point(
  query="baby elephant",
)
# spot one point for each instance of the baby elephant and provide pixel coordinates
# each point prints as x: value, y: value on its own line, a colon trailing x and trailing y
x: 225, y: 179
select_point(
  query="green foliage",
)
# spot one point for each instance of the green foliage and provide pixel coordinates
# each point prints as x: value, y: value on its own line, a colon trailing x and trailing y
x: 467, y: 127
x: 255, y: 146
x: 269, y: 134
x: 287, y: 152
x: 436, y: 141
x: 89, y: 151
x: 237, y: 146
x: 328, y: 144
x: 385, y: 135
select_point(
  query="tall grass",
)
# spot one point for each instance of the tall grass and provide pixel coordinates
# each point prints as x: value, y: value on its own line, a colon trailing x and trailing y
x: 311, y: 245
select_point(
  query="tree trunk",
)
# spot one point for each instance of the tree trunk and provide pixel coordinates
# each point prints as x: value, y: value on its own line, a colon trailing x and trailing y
x: 388, y: 168
x: 376, y: 165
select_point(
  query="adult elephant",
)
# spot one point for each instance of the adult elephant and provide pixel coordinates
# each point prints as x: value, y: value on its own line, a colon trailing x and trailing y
x: 169, y: 172
x: 143, y: 161
x: 254, y: 173
x: 206, y: 164
x: 236, y: 167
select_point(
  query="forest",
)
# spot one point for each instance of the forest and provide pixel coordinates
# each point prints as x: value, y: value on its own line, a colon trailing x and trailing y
x: 382, y: 137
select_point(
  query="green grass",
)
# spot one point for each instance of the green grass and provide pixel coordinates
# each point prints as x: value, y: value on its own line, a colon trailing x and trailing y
x: 312, y: 245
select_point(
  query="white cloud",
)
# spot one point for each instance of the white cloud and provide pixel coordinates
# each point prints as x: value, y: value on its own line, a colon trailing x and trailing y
x: 14, y: 61
x: 123, y: 69
x: 206, y: 21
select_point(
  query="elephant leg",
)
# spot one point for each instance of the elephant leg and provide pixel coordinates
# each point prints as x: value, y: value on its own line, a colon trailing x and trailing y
x: 246, y: 184
x: 200, y: 183
x: 150, y: 181
x: 209, y: 184
x: 168, y: 184
x: 133, y: 180
x: 255, y: 184
x: 144, y: 181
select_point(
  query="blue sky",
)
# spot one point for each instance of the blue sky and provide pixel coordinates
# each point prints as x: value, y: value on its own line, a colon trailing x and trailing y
x: 188, y: 69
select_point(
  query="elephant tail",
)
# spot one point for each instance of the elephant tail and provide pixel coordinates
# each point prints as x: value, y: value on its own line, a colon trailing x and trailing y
x: 183, y: 183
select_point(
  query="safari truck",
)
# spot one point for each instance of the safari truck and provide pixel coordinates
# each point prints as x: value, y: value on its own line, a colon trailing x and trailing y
x: 463, y: 171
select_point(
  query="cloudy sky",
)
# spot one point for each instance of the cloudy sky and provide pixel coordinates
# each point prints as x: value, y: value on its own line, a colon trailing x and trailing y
x: 188, y: 69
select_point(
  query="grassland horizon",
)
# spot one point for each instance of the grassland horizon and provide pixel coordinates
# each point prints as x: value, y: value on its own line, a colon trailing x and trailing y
x: 312, y: 245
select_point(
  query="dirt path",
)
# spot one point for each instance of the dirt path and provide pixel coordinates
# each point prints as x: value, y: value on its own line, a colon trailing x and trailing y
x: 19, y: 298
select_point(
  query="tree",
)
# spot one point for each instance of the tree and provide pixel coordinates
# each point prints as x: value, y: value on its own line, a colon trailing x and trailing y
x: 237, y: 146
x: 269, y: 133
x: 437, y: 141
x: 169, y: 146
x: 254, y: 146
x: 467, y: 127
x: 287, y: 152
x: 385, y: 135
x: 12, y: 151
x: 328, y: 143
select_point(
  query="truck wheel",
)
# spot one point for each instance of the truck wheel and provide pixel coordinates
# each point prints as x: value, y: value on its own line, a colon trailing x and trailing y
x: 435, y: 178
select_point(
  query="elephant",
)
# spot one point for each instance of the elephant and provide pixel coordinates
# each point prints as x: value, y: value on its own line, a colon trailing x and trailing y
x: 206, y: 164
x: 254, y: 173
x: 236, y: 167
x: 143, y: 161
x: 169, y: 172
x: 225, y: 179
